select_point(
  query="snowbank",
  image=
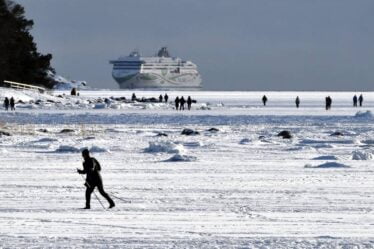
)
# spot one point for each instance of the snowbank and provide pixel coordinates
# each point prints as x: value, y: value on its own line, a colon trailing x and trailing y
x: 329, y: 157
x: 67, y: 149
x: 164, y: 146
x: 245, y: 141
x: 193, y: 144
x: 327, y: 165
x: 100, y: 106
x: 73, y: 149
x: 363, y: 114
x: 97, y: 149
x: 362, y: 155
x: 45, y: 140
x: 181, y: 158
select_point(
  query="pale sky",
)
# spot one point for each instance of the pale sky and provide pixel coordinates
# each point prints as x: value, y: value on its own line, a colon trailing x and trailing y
x: 237, y: 44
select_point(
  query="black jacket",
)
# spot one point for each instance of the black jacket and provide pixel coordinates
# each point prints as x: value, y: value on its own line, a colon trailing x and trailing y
x: 92, y: 168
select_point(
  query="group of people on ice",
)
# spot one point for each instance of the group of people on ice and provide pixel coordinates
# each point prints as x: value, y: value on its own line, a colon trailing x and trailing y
x: 328, y: 101
x: 180, y: 102
x: 9, y: 103
x: 359, y: 99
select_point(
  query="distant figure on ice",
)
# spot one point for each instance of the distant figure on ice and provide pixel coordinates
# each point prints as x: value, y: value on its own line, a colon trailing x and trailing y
x: 328, y: 102
x: 166, y: 97
x: 73, y: 91
x: 182, y: 102
x: 6, y: 103
x: 297, y: 101
x: 160, y: 98
x: 361, y: 99
x: 189, y: 102
x: 92, y: 168
x: 264, y: 100
x: 133, y: 97
x: 355, y: 101
x: 176, y: 103
x: 12, y: 104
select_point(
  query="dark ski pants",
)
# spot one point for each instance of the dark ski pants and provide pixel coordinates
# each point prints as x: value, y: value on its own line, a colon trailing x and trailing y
x: 100, y: 187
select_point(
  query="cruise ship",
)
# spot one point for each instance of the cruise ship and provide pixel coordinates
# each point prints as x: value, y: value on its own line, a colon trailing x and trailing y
x: 160, y: 71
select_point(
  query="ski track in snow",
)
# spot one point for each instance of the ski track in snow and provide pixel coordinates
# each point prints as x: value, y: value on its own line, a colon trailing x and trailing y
x: 252, y: 194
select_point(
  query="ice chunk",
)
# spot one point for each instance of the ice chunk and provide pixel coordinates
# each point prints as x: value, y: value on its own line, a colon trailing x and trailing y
x: 362, y: 155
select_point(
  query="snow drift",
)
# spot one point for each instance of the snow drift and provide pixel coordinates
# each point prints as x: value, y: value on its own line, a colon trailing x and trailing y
x: 164, y: 146
x: 362, y: 155
x: 327, y: 165
x: 364, y: 114
x: 181, y: 158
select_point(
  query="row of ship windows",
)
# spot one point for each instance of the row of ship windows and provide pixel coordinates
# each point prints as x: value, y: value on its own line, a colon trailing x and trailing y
x: 147, y: 64
x: 164, y: 68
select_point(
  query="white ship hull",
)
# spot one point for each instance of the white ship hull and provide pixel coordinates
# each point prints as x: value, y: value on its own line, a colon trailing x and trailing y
x: 154, y: 80
x: 162, y: 71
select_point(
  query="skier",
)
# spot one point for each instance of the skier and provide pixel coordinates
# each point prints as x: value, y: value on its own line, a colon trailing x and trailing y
x: 176, y: 103
x: 92, y: 168
x: 264, y: 100
x: 12, y: 104
x: 166, y: 97
x: 297, y: 102
x: 182, y: 102
x: 6, y: 103
x: 160, y: 98
x: 361, y: 99
x: 355, y: 101
x: 189, y: 103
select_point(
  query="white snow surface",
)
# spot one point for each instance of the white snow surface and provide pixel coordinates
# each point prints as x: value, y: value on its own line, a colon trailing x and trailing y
x: 240, y: 187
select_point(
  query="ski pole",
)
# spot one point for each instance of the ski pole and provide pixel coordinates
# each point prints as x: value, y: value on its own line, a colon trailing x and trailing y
x: 88, y: 185
x: 125, y: 201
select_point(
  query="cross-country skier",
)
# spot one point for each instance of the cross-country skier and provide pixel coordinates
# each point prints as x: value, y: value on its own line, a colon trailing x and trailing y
x: 92, y: 168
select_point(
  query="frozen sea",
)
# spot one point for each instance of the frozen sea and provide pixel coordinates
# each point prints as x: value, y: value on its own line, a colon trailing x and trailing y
x: 239, y: 186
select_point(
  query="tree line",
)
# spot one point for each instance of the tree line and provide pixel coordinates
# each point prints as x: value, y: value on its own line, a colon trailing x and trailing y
x: 19, y: 59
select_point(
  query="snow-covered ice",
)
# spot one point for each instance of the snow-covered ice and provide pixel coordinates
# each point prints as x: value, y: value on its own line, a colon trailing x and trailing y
x: 241, y: 186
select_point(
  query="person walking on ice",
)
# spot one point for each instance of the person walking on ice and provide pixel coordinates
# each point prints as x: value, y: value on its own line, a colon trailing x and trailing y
x: 297, y: 102
x: 355, y: 101
x: 6, y: 103
x: 189, y: 102
x: 92, y: 168
x: 12, y: 104
x: 264, y: 100
x: 361, y: 99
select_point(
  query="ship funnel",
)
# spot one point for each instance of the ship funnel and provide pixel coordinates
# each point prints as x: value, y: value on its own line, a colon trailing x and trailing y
x: 163, y: 52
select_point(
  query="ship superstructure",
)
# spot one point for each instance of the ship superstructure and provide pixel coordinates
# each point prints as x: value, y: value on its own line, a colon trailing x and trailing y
x: 160, y: 71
